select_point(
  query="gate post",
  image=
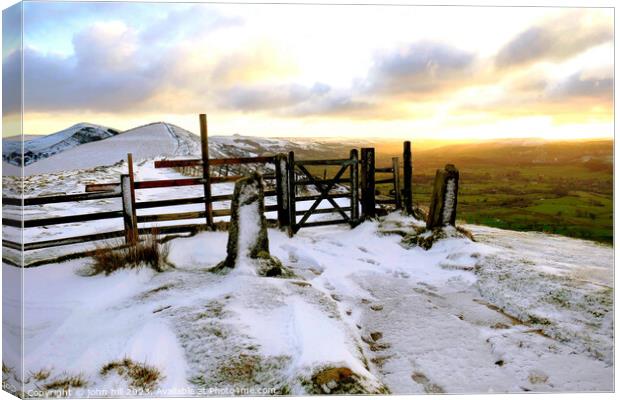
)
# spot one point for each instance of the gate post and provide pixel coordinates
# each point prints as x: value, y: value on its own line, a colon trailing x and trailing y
x: 282, y: 189
x: 354, y: 188
x: 442, y: 211
x: 407, y: 176
x: 129, y: 218
x: 397, y: 188
x: 206, y: 176
x: 367, y: 179
x: 292, y: 218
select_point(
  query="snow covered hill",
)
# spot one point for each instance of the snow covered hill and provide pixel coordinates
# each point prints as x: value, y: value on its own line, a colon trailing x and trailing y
x: 73, y: 149
x: 148, y: 141
x: 39, y: 148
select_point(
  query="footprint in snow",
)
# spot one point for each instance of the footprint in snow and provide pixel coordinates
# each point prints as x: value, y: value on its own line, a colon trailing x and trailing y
x: 428, y: 386
x: 368, y: 261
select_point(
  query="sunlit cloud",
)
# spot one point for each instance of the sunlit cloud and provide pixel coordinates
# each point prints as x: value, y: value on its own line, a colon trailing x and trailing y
x: 557, y: 39
x: 276, y: 70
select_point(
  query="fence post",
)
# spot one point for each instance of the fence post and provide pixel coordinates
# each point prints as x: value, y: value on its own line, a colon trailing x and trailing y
x: 132, y: 191
x: 397, y: 188
x: 131, y: 230
x: 290, y: 174
x: 407, y: 176
x: 282, y: 189
x: 442, y: 211
x: 355, y: 214
x: 367, y: 182
x: 206, y: 176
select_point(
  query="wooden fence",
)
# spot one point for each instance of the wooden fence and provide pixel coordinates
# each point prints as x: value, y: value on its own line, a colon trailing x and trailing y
x: 288, y: 176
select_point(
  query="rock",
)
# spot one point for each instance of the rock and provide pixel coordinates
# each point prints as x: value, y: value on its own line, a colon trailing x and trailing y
x: 342, y: 380
x: 442, y: 211
x: 329, y: 379
x: 421, y: 237
x: 247, y: 231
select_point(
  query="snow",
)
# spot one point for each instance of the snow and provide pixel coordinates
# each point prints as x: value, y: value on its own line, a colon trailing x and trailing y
x: 448, y: 205
x: 442, y: 320
x: 153, y: 140
x: 249, y: 228
x: 41, y: 147
x: 511, y: 312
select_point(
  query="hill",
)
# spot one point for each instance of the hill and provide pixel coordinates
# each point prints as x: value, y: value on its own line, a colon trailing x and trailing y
x: 39, y: 148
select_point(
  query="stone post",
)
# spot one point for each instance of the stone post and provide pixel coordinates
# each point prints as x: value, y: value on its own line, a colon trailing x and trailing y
x: 248, y: 244
x: 442, y: 211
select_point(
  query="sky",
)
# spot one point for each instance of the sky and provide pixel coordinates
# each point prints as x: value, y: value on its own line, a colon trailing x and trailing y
x: 442, y: 73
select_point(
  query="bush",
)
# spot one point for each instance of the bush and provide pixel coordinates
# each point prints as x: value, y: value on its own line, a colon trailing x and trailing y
x: 146, y: 252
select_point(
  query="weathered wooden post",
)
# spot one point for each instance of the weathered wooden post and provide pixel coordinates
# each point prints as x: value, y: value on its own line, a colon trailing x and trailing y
x: 367, y: 179
x: 397, y: 188
x: 128, y: 193
x: 282, y: 189
x: 129, y: 218
x: 407, y: 177
x: 355, y: 213
x: 442, y: 210
x: 290, y: 174
x: 206, y: 177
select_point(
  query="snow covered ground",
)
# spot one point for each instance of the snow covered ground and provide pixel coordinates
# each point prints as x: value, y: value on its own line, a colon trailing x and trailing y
x: 463, y: 317
x: 511, y: 312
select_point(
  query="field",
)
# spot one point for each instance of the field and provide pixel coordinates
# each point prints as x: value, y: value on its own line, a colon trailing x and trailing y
x: 555, y: 187
x: 563, y: 188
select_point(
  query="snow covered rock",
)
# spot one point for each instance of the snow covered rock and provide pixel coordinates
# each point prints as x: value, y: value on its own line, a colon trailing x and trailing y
x: 442, y: 210
x: 248, y: 243
x: 425, y: 238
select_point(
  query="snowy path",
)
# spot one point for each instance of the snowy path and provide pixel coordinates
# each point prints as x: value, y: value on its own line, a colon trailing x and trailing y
x: 412, y: 321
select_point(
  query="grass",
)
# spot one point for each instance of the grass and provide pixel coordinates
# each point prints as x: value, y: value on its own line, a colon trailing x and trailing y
x: 41, y: 375
x: 139, y: 375
x: 146, y: 252
x: 566, y: 200
x: 65, y: 383
x: 6, y: 370
x: 546, y: 187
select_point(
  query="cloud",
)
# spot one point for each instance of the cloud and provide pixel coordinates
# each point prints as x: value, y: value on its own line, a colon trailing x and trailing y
x: 579, y: 86
x: 105, y: 74
x: 11, y: 83
x: 266, y: 97
x: 118, y: 68
x: 189, y: 22
x: 292, y: 100
x: 556, y: 39
x: 419, y: 68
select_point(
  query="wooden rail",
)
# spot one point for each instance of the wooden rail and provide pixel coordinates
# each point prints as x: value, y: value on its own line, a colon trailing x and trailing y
x: 213, y: 162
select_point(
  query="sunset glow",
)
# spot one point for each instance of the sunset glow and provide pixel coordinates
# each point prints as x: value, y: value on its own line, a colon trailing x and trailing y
x: 446, y: 73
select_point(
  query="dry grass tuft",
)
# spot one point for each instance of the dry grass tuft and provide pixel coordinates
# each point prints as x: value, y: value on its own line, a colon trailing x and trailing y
x: 41, y: 374
x: 6, y: 370
x: 139, y: 375
x: 241, y: 368
x: 65, y: 383
x: 147, y: 252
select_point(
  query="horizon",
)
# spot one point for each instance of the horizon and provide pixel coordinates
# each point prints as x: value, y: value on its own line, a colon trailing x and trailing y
x: 423, y: 144
x: 265, y: 70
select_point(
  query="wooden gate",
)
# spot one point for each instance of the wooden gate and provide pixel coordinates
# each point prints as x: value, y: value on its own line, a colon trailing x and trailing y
x: 329, y: 189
